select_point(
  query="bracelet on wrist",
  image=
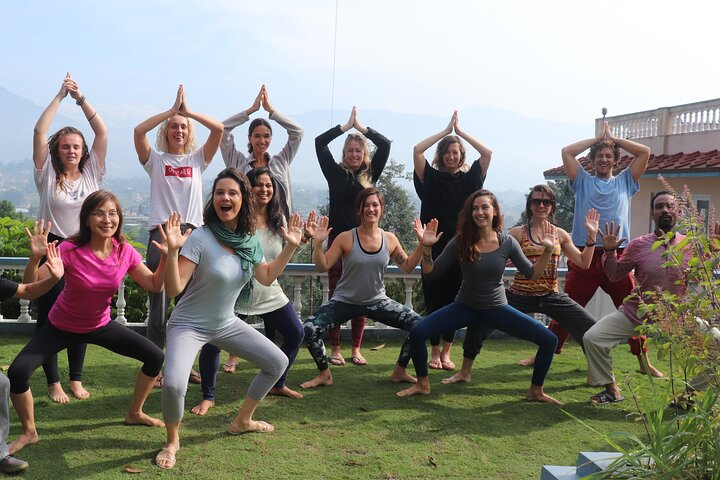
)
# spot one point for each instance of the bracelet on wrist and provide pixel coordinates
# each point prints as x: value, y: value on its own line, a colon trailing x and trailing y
x: 589, y: 244
x: 80, y: 101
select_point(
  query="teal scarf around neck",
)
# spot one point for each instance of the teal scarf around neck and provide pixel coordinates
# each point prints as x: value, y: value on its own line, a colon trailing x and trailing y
x: 247, y: 247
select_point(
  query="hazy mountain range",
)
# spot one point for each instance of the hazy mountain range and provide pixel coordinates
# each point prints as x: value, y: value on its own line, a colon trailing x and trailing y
x: 522, y: 147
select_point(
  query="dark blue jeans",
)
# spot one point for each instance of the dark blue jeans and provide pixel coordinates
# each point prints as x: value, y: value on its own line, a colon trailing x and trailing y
x: 505, y: 318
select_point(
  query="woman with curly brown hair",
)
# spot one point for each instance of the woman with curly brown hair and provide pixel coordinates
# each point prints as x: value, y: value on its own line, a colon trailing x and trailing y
x: 482, y: 250
x: 66, y: 172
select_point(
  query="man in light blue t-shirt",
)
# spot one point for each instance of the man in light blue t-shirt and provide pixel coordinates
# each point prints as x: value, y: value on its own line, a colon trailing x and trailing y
x: 610, y: 195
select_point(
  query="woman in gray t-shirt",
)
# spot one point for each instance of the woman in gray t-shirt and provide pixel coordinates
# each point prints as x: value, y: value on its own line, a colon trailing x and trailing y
x: 483, y: 249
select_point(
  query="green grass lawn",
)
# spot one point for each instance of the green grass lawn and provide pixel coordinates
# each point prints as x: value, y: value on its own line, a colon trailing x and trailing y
x: 356, y: 428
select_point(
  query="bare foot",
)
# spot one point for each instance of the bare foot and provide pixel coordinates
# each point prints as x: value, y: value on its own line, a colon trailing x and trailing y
x: 165, y: 459
x: 77, y: 389
x: 460, y: 377
x: 202, y: 408
x: 142, y: 419
x: 446, y: 363
x: 654, y: 372
x: 527, y: 362
x: 435, y: 363
x: 414, y: 389
x: 401, y: 376
x: 252, y: 426
x: 321, y: 379
x: 284, y: 391
x: 57, y: 394
x: 23, y: 440
x: 541, y: 397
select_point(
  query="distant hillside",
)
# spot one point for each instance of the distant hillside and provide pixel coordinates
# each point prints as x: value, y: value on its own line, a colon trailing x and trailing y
x: 523, y: 147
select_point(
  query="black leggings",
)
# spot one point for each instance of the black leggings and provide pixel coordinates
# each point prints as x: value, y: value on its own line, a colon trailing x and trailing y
x: 75, y: 353
x: 50, y: 340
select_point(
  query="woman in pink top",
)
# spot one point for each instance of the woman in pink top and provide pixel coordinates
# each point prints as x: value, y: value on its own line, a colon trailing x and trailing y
x: 96, y: 261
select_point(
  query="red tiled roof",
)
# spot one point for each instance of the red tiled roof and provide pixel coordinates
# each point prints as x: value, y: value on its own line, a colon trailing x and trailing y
x: 676, y: 163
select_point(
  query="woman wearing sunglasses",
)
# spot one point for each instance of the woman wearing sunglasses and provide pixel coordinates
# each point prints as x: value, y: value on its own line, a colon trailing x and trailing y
x: 542, y: 295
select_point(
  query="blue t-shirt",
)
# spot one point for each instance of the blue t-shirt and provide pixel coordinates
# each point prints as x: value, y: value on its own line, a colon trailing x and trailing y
x: 610, y: 197
x: 209, y: 301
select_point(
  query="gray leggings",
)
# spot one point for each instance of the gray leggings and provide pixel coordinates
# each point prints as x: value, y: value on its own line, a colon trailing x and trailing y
x: 239, y: 338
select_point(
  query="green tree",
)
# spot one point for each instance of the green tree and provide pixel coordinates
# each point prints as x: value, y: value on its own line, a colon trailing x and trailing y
x: 399, y: 210
x: 7, y: 209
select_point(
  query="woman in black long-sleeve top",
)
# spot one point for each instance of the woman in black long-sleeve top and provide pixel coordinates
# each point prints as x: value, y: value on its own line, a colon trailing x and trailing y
x: 356, y: 172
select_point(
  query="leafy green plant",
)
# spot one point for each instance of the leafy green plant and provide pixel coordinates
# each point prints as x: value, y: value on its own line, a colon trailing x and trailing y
x: 682, y: 442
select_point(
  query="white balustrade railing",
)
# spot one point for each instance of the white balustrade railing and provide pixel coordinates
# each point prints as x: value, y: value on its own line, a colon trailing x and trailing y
x: 303, y: 277
x: 688, y: 118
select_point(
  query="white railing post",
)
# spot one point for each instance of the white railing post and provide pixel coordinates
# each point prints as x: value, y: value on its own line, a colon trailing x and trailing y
x: 297, y: 293
x: 121, y: 304
x: 24, y: 311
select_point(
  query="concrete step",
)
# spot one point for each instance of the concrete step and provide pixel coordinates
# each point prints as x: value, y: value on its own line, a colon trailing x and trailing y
x: 558, y: 472
x: 593, y: 462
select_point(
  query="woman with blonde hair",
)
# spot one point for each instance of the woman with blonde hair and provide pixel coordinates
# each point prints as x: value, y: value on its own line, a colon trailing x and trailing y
x: 175, y: 171
x: 346, y: 179
x: 65, y: 173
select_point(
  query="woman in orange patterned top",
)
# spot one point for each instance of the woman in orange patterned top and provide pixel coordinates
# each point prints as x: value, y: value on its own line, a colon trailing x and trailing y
x: 541, y: 296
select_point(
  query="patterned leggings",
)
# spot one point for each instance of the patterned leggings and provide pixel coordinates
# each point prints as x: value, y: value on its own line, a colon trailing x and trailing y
x: 335, y: 313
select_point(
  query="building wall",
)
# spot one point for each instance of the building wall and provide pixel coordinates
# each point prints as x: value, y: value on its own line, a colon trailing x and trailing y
x: 703, y: 189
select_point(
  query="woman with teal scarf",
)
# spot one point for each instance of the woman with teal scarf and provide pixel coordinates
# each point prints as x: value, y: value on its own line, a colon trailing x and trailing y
x: 217, y: 261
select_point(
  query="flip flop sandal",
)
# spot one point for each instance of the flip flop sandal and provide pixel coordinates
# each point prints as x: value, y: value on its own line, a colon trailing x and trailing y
x: 605, y: 397
x: 165, y: 455
x: 449, y: 365
x: 359, y: 361
x: 195, y: 378
x: 337, y: 361
x: 229, y: 367
x: 435, y: 365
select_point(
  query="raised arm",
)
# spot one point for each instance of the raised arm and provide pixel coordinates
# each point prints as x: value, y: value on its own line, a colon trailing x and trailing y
x: 50, y: 273
x: 640, y: 153
x: 294, y: 131
x: 547, y: 240
x: 420, y: 148
x: 40, y: 144
x: 485, y: 152
x: 266, y: 273
x: 178, y: 270
x: 230, y: 154
x: 142, y: 146
x: 100, y: 142
x: 324, y: 260
x: 398, y: 255
x: 614, y: 268
x: 212, y: 143
x: 582, y: 259
x: 569, y: 154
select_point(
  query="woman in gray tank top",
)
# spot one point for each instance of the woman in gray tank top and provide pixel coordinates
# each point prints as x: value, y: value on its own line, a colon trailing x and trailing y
x: 365, y: 251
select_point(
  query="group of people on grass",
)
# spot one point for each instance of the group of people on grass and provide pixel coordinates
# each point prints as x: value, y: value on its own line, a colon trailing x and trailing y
x: 220, y: 260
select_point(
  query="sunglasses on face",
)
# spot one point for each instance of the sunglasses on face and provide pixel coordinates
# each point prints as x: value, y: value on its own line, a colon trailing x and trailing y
x: 541, y: 201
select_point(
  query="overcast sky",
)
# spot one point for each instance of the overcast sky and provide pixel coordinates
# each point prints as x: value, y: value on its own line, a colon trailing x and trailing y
x: 558, y: 60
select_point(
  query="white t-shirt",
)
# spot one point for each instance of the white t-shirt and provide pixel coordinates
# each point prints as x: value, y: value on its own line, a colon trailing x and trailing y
x: 62, y: 207
x: 175, y: 185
